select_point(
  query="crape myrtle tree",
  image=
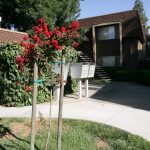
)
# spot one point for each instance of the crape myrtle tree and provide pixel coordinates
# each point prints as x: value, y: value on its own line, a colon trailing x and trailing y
x: 25, y: 13
x: 138, y: 5
x: 41, y: 50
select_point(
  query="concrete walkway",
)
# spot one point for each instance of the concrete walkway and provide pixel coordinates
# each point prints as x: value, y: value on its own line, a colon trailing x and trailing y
x: 99, y: 107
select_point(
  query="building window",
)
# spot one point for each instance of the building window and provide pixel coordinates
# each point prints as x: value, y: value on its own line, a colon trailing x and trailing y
x: 148, y: 44
x: 106, y: 33
x: 109, y: 61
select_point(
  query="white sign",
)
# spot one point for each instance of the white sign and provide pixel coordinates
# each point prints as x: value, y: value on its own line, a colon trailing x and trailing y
x: 78, y: 70
x: 91, y: 71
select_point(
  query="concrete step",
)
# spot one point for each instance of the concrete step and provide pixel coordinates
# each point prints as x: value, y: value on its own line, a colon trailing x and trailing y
x: 100, y: 73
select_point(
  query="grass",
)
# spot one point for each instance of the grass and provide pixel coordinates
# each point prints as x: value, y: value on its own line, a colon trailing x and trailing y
x: 77, y: 135
x: 98, y: 81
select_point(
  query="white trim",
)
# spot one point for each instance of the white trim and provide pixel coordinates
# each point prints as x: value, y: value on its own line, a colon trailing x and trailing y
x: 121, y: 48
x: 105, y: 24
x: 94, y: 44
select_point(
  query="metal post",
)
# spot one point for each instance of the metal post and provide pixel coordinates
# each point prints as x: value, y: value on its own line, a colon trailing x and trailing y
x: 79, y: 89
x: 86, y: 88
x: 56, y: 93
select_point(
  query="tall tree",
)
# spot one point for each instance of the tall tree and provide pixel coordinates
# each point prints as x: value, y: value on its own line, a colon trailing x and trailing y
x: 25, y: 13
x: 138, y: 5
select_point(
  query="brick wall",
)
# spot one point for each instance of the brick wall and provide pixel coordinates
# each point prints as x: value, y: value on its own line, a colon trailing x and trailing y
x: 10, y: 36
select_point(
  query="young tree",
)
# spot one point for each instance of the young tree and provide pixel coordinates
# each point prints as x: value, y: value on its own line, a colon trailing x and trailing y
x: 25, y: 13
x: 138, y: 5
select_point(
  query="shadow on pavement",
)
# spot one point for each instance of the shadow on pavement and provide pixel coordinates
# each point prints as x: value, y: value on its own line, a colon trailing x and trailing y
x: 128, y: 94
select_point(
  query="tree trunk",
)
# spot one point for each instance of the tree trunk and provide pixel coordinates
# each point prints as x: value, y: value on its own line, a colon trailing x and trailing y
x: 59, y: 129
x: 33, y: 118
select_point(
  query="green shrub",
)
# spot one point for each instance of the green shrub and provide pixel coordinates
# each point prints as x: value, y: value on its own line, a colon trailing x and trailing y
x: 120, y: 74
x: 112, y: 70
x: 13, y: 83
x: 71, y: 86
x: 138, y: 76
x: 15, y: 87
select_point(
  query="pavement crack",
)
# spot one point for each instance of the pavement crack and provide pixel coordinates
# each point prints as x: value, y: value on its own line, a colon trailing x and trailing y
x: 116, y: 115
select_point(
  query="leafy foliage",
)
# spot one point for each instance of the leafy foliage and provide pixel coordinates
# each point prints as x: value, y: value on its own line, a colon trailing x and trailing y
x: 46, y: 46
x: 15, y: 87
x: 43, y: 46
x: 138, y: 5
x: 25, y: 13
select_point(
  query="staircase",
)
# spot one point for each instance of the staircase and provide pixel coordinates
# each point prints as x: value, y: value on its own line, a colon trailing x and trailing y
x: 85, y: 58
x: 99, y: 72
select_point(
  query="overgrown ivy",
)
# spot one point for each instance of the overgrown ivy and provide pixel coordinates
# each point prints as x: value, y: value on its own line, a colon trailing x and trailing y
x: 15, y: 86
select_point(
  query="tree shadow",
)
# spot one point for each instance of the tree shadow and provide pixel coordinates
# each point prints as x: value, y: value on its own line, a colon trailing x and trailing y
x: 124, y: 93
x: 13, y: 142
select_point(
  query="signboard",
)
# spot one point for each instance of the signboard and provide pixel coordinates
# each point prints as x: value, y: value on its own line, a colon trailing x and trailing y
x: 91, y: 71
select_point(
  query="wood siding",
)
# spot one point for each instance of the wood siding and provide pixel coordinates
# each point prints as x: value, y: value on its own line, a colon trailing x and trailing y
x: 130, y: 53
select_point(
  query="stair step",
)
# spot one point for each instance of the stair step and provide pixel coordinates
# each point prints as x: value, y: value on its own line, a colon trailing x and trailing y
x: 99, y: 72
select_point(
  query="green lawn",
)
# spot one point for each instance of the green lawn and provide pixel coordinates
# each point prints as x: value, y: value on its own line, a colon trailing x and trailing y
x: 77, y: 135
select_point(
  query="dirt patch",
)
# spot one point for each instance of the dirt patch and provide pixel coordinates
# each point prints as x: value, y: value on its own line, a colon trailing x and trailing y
x: 19, y: 130
x: 101, y: 144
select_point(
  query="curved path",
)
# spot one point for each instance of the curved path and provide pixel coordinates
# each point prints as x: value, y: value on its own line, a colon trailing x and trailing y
x: 122, y: 105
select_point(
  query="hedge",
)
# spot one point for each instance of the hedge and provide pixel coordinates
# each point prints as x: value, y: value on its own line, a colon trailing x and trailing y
x: 121, y: 74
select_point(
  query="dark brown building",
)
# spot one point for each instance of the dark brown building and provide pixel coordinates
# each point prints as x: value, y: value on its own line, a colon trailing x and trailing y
x: 114, y: 39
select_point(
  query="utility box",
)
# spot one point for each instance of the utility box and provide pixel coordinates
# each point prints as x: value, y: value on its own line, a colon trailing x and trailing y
x: 79, y: 70
x: 57, y: 69
x: 91, y: 71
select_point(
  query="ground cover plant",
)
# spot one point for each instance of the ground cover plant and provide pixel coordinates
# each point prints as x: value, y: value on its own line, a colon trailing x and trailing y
x: 77, y: 135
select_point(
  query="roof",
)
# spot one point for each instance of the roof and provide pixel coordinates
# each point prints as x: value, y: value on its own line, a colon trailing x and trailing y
x: 10, y: 36
x: 131, y: 23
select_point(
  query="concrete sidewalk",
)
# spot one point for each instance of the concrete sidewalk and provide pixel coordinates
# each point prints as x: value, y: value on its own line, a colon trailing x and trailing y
x: 136, y: 121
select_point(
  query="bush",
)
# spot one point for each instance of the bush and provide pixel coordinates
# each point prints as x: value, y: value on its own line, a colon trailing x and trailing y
x: 112, y: 70
x: 120, y: 74
x: 15, y: 87
x: 138, y: 76
x: 71, y: 86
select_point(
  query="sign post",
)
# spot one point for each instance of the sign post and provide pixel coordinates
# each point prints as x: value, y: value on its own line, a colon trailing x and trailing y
x: 79, y: 89
x: 86, y: 88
